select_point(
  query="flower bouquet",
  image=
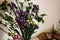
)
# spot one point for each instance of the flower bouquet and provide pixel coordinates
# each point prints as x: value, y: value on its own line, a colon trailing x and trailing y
x: 20, y: 18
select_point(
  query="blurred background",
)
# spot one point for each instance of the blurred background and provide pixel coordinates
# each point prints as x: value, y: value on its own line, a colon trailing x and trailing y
x: 49, y: 7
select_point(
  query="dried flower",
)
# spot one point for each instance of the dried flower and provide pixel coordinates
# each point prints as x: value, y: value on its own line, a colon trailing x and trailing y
x: 14, y: 5
x: 35, y: 8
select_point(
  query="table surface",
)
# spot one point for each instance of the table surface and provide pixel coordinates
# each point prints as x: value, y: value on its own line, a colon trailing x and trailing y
x: 49, y: 35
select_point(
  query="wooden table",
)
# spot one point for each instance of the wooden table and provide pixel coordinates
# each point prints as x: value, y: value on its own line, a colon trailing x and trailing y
x: 49, y: 35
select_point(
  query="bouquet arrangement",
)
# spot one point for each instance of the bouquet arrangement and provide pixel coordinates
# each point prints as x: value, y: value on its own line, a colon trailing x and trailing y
x: 20, y: 18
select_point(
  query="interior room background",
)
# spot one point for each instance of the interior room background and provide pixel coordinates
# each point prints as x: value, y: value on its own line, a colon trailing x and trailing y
x: 49, y: 7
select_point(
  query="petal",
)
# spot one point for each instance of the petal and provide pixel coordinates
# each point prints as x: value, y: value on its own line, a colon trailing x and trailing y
x: 17, y: 20
x: 18, y: 12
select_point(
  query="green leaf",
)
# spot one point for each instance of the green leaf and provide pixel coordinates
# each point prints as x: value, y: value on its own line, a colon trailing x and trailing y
x: 12, y: 28
x: 28, y: 8
x: 29, y: 17
x: 42, y: 21
x: 38, y: 18
x: 30, y: 4
x: 21, y: 6
x: 43, y: 15
x: 8, y: 18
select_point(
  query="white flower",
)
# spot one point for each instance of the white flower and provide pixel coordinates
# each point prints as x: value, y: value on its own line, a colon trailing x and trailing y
x: 12, y: 15
x: 35, y: 21
x: 4, y: 22
x: 7, y: 13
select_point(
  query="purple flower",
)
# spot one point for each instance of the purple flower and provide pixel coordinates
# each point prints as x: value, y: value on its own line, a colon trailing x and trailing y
x: 23, y: 21
x: 18, y: 20
x: 19, y: 12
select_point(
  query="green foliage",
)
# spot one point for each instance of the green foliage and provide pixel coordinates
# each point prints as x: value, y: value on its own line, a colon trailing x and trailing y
x: 38, y: 18
x: 21, y: 6
x: 16, y: 31
x: 42, y: 21
x: 8, y: 18
x: 29, y: 17
x: 3, y: 5
x: 12, y: 28
x: 30, y: 4
x: 28, y: 8
x: 43, y: 15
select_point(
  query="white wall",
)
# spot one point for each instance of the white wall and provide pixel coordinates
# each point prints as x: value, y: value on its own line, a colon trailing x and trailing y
x: 52, y: 9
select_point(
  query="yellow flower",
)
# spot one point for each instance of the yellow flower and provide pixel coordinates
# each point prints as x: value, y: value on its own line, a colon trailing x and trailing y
x: 11, y: 34
x: 29, y: 21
